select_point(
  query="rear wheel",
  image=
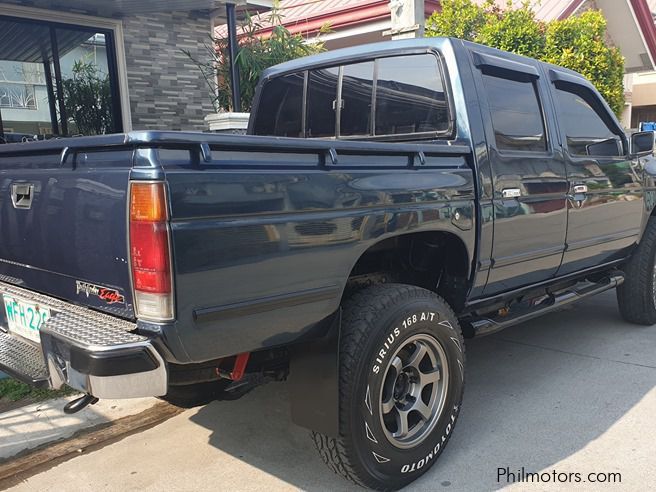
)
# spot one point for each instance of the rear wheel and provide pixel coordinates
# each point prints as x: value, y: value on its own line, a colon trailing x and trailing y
x: 401, y: 384
x: 636, y: 297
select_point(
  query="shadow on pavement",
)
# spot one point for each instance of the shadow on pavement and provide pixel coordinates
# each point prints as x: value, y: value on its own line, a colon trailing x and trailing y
x: 536, y: 394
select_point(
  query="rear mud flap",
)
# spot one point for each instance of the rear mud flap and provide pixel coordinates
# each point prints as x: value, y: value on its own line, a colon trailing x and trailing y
x: 313, y: 380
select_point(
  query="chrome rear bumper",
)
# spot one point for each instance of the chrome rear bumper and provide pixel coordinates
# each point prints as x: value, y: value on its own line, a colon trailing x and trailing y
x: 92, y: 352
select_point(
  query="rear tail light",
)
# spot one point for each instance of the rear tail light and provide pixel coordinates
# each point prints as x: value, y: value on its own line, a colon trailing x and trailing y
x: 150, y: 252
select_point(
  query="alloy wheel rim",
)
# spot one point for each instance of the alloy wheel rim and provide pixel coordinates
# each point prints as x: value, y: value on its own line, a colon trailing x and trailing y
x: 414, y: 391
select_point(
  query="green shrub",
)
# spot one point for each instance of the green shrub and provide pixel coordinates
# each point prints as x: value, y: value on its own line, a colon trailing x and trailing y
x: 578, y: 43
x: 88, y: 100
x: 256, y: 54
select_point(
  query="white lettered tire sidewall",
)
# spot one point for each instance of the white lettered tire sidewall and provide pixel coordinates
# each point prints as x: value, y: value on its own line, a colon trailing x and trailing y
x: 383, y: 459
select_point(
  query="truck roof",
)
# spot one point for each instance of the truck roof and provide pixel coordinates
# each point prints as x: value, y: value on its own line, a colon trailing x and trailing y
x: 374, y: 49
x: 354, y: 52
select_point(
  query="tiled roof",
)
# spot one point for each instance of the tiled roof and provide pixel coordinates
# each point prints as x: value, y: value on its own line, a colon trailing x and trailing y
x: 544, y: 9
x: 307, y: 16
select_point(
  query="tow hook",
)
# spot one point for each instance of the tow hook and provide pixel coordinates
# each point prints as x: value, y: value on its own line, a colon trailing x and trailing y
x: 79, y: 403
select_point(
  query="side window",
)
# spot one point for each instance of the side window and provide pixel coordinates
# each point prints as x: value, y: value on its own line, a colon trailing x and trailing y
x: 586, y: 132
x: 281, y: 106
x: 410, y: 96
x: 321, y: 96
x: 357, y: 88
x: 516, y: 114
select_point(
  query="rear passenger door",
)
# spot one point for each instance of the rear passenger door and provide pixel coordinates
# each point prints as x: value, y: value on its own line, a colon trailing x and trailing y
x: 528, y: 172
x: 606, y: 196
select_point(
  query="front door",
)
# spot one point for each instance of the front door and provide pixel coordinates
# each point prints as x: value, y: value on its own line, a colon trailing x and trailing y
x: 606, y: 197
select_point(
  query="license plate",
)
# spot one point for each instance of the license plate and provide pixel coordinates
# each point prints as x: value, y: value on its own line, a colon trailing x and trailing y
x: 25, y: 318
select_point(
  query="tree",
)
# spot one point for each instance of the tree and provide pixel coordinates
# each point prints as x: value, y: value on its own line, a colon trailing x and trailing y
x: 256, y: 53
x: 87, y: 99
x: 578, y: 43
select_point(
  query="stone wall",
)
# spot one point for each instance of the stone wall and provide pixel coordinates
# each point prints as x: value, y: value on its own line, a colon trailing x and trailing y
x: 167, y: 90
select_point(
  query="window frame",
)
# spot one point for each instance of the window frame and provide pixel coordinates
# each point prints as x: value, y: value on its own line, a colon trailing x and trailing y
x: 508, y: 69
x: 449, y: 133
x: 448, y: 98
x: 543, y: 117
x: 338, y: 112
x: 303, y: 86
x: 304, y: 109
x: 116, y: 59
x: 568, y: 83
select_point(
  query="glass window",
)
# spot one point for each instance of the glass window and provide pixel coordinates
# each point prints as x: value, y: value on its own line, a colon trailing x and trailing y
x: 86, y: 82
x: 321, y: 96
x: 585, y: 130
x: 516, y: 114
x: 281, y: 106
x: 410, y: 96
x: 357, y: 88
x: 56, y: 80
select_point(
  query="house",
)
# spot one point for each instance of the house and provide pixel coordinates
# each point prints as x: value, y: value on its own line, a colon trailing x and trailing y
x: 641, y: 89
x: 129, y: 51
x: 352, y: 22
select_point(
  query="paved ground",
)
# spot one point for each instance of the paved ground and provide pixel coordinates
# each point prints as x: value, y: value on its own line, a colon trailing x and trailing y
x: 574, y: 391
x: 44, y: 422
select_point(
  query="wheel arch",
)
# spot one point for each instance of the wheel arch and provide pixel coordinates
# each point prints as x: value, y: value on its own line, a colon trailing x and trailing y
x: 437, y: 260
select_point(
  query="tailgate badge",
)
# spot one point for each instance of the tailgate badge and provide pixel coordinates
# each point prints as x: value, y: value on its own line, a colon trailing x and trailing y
x: 22, y: 194
x: 110, y: 296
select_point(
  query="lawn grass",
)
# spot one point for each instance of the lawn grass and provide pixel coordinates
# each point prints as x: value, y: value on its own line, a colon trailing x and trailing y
x: 12, y: 390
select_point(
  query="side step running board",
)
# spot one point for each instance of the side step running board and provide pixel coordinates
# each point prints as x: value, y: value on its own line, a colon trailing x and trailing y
x: 550, y: 302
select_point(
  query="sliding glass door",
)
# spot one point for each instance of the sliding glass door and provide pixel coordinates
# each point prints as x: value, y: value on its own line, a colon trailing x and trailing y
x: 56, y: 80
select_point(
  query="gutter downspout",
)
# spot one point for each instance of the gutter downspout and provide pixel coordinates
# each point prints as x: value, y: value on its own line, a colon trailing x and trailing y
x: 233, y: 49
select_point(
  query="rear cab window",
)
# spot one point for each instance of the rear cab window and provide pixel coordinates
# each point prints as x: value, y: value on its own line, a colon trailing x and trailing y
x: 357, y: 90
x: 279, y: 114
x: 410, y: 96
x: 321, y: 91
x: 400, y: 96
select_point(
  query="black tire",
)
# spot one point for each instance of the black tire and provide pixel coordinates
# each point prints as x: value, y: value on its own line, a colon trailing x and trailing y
x: 636, y: 297
x: 381, y: 324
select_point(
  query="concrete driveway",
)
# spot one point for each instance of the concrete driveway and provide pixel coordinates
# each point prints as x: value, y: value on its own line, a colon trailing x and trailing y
x: 574, y: 391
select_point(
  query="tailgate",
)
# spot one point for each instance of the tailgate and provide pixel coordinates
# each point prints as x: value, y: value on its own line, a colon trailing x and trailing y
x: 63, y: 227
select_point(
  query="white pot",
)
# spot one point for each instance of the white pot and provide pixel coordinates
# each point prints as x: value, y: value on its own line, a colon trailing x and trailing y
x: 227, y: 122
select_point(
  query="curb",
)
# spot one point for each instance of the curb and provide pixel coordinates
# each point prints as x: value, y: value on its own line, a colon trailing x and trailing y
x: 45, y: 422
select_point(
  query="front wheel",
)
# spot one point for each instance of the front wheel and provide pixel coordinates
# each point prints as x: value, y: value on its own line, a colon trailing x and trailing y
x: 636, y: 297
x: 401, y: 383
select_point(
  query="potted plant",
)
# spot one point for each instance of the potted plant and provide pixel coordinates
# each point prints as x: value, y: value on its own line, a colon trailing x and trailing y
x: 256, y: 53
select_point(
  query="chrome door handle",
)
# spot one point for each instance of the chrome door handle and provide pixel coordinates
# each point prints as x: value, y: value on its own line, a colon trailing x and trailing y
x: 577, y: 189
x: 22, y: 195
x: 511, y: 193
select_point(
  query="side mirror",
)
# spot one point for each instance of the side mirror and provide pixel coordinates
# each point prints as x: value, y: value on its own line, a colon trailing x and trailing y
x: 641, y: 143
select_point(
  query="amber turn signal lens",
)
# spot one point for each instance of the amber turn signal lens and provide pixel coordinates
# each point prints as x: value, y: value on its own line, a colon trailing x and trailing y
x: 147, y: 202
